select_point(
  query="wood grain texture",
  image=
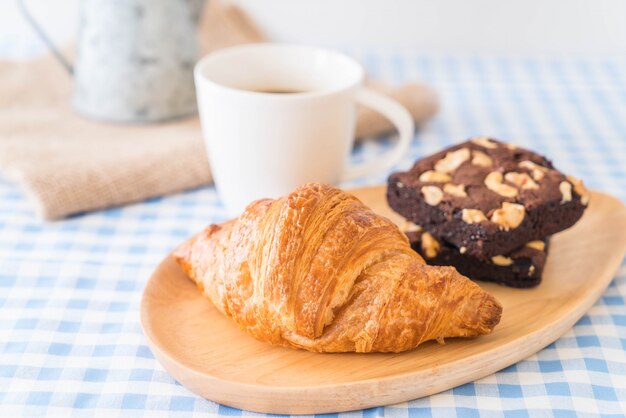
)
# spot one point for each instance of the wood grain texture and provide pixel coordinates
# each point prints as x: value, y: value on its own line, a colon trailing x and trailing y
x: 208, y: 354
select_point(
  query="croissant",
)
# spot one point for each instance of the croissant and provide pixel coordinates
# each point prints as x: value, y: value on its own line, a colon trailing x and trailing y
x: 318, y: 270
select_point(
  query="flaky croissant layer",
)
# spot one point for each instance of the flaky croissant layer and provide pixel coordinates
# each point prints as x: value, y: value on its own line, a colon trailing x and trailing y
x: 317, y: 269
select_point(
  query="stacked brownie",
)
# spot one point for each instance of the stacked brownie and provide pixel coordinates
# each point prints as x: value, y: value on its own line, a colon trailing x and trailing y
x: 487, y: 208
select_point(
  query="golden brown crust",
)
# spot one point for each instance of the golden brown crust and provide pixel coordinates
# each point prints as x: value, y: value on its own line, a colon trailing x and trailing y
x: 317, y: 269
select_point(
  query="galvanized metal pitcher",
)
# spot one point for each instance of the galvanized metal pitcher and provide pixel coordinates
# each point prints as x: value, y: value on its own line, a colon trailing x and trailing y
x: 134, y: 59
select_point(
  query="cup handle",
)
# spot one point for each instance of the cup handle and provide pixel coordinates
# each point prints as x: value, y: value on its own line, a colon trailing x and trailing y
x: 400, y: 117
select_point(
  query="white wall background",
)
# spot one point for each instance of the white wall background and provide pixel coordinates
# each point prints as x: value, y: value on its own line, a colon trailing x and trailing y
x: 511, y: 26
x: 518, y: 26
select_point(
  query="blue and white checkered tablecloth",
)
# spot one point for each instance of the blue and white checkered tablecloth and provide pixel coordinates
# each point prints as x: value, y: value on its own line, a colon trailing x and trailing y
x: 70, y: 340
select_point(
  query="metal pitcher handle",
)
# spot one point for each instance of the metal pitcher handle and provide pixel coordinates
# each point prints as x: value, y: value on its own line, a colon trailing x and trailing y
x: 44, y: 37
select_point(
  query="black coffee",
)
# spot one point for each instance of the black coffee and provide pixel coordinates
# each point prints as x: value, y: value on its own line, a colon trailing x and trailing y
x: 279, y: 91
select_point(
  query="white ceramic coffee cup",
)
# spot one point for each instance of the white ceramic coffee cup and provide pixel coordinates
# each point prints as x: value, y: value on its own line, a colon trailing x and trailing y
x: 262, y: 144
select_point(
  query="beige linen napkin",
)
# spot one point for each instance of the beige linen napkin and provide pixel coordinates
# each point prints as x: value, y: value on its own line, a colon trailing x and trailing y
x: 68, y: 164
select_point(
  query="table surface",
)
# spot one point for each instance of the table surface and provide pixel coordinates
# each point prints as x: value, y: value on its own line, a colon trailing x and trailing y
x: 70, y: 340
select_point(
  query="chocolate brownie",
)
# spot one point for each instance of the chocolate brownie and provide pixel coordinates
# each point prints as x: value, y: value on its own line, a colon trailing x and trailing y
x: 487, y: 197
x: 520, y: 268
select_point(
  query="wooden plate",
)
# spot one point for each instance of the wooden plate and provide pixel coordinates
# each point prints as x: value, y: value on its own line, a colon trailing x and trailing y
x: 208, y: 354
